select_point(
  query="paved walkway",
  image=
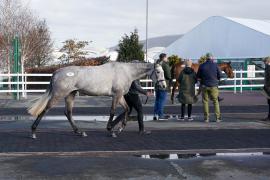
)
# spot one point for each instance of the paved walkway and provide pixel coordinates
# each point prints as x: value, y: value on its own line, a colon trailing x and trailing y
x: 60, y: 154
x: 135, y: 168
x: 173, y: 140
x: 241, y: 128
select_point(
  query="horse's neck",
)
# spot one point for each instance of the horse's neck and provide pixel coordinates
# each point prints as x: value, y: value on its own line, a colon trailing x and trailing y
x: 140, y: 70
x: 222, y: 67
x: 195, y: 67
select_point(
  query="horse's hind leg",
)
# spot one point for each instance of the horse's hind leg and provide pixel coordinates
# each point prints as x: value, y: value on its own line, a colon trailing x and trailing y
x: 50, y: 104
x: 37, y: 121
x: 68, y: 112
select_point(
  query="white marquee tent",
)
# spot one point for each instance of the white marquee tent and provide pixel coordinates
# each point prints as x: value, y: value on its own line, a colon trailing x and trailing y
x: 225, y: 38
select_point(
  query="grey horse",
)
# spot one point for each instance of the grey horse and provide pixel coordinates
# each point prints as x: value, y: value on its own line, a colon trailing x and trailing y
x: 111, y: 79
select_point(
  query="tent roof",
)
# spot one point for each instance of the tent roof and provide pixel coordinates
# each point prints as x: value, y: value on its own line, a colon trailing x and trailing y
x: 225, y: 38
x: 262, y: 26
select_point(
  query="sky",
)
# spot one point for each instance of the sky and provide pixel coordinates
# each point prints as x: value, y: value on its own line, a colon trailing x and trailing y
x: 104, y: 22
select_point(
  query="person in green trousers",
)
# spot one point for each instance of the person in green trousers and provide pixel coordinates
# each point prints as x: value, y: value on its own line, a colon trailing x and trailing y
x: 209, y: 75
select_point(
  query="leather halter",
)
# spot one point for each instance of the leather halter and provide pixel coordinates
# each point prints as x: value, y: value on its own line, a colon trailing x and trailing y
x: 154, y: 72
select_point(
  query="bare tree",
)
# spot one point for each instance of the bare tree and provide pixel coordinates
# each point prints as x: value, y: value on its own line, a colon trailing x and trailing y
x: 7, y: 19
x: 38, y: 52
x: 18, y: 20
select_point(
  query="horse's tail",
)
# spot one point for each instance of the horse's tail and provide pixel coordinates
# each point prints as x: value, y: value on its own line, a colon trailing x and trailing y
x: 39, y: 104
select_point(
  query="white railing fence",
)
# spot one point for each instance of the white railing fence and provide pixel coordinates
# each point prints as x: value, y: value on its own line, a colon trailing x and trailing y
x: 242, y: 79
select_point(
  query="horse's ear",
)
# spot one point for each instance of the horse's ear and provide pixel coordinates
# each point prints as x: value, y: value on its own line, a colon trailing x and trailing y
x: 230, y: 62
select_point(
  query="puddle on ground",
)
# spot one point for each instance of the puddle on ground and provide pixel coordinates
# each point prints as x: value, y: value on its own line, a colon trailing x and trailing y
x: 79, y: 118
x: 197, y: 155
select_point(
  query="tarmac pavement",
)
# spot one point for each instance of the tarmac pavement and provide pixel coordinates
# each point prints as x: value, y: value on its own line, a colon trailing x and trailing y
x: 59, y: 154
x: 133, y: 168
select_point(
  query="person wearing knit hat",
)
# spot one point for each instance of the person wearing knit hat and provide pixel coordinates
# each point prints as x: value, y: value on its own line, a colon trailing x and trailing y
x: 187, y: 80
x: 266, y: 88
x: 188, y: 63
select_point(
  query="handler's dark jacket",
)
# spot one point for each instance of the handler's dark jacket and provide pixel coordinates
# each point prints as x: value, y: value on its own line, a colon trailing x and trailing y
x: 167, y: 74
x: 136, y: 88
x: 209, y: 73
x: 267, y: 79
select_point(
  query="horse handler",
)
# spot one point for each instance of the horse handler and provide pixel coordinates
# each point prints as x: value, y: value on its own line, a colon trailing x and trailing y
x: 133, y: 100
x: 266, y: 88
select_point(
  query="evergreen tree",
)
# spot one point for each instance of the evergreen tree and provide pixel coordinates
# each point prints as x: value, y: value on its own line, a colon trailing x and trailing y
x: 204, y: 58
x: 130, y: 48
x: 174, y: 59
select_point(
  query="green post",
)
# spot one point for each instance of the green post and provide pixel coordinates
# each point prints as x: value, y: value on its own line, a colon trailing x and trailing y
x: 16, y: 68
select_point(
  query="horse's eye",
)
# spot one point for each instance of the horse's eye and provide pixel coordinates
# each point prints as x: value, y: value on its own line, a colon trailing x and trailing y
x: 158, y: 72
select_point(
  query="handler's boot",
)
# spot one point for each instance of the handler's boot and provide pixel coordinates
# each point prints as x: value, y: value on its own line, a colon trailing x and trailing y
x: 143, y: 132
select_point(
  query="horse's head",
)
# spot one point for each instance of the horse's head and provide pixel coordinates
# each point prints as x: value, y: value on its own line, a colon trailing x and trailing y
x: 157, y: 76
x: 227, y: 68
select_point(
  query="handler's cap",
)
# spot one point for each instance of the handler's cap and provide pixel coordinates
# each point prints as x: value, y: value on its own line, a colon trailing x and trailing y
x: 209, y: 56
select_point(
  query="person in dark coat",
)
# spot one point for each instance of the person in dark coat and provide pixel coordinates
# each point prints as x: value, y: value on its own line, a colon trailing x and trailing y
x: 209, y: 75
x: 133, y: 100
x: 187, y: 80
x: 266, y: 88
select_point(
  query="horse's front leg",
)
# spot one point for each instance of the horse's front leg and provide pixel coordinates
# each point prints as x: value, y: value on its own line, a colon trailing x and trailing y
x: 115, y: 102
x: 124, y: 104
x: 176, y: 84
x: 112, y: 112
x: 109, y: 124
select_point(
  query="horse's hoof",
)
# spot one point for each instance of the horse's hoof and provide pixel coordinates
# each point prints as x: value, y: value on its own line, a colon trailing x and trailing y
x: 109, y: 127
x: 114, y: 135
x: 120, y: 129
x: 33, y: 136
x: 83, y: 134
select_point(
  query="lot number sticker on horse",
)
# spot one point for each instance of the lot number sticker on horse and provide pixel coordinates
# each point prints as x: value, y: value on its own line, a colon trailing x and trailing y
x: 70, y: 74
